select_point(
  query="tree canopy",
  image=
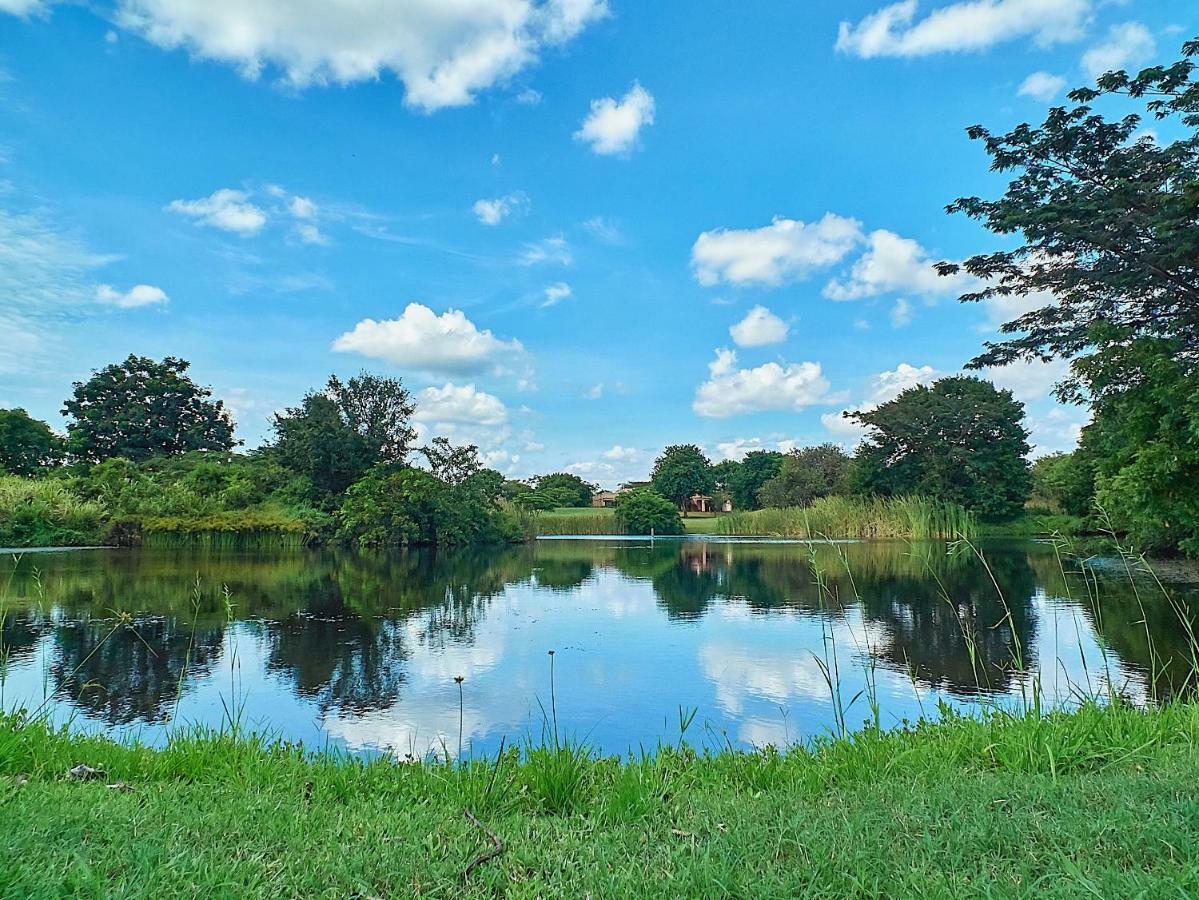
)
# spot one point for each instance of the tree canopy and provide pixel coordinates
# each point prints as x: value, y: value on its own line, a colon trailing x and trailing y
x: 743, y: 480
x: 959, y: 439
x: 805, y: 475
x: 27, y: 445
x: 1105, y: 217
x: 565, y: 488
x: 682, y: 471
x: 642, y: 511
x: 140, y: 408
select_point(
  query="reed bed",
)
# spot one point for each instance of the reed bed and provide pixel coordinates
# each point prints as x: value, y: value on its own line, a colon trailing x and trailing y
x: 910, y: 518
x: 583, y: 522
x: 237, y: 530
x: 47, y: 513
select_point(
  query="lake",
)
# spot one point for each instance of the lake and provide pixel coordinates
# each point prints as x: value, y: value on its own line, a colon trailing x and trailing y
x: 765, y: 642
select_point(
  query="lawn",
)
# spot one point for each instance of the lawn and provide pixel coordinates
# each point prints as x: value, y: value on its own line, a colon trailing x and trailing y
x: 1100, y: 803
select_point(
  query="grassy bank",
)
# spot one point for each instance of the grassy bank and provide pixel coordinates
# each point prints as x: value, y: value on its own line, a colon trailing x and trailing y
x: 914, y: 518
x: 46, y: 513
x: 1100, y: 802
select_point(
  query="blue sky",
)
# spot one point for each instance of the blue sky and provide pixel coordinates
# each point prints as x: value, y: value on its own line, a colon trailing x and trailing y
x: 579, y: 230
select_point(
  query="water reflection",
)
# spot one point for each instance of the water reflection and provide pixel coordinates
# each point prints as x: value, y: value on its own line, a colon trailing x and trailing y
x: 361, y: 648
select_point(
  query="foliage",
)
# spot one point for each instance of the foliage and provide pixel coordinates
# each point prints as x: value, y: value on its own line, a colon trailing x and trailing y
x: 46, y: 513
x: 399, y: 505
x: 647, y: 512
x: 744, y: 480
x: 1065, y: 482
x: 1107, y: 224
x: 914, y: 518
x: 141, y: 408
x: 451, y: 464
x: 805, y: 475
x: 566, y: 488
x: 335, y: 435
x: 27, y: 445
x: 578, y: 521
x: 959, y: 440
x: 682, y: 471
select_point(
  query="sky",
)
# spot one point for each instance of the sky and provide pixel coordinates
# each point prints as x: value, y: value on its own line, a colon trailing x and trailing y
x: 579, y: 230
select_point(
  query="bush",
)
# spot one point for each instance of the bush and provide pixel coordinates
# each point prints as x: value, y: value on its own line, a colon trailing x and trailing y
x: 647, y: 512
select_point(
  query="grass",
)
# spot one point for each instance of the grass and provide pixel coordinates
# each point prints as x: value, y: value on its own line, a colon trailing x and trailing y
x: 244, y: 529
x: 914, y: 518
x: 46, y: 513
x: 1097, y: 802
x: 586, y: 520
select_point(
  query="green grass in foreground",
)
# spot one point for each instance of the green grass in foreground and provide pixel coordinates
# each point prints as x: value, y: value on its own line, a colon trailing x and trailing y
x: 1102, y: 803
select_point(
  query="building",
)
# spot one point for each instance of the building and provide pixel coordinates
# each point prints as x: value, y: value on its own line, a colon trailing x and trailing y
x: 603, y: 499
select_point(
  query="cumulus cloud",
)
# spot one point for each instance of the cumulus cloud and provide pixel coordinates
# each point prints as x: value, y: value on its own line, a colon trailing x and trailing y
x: 883, y: 387
x: 22, y: 7
x: 759, y: 327
x: 444, y: 53
x: 965, y: 26
x: 901, y: 313
x: 739, y: 448
x: 621, y: 453
x: 495, y: 210
x: 556, y: 293
x: 730, y: 391
x: 424, y: 341
x: 1127, y: 45
x: 784, y: 250
x: 225, y: 209
x: 1042, y: 86
x: 1058, y: 429
x: 613, y: 126
x: 552, y: 250
x: 138, y: 295
x: 893, y: 263
x: 1028, y: 380
x: 460, y: 404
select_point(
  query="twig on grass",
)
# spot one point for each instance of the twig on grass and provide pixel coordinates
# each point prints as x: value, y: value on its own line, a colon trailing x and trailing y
x: 496, y: 850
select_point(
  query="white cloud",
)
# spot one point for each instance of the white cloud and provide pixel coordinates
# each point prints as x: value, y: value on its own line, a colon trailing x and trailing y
x: 1042, y: 86
x: 556, y: 293
x: 1126, y: 45
x: 462, y: 404
x: 22, y: 7
x: 301, y: 207
x: 595, y: 392
x: 604, y: 230
x: 894, y: 263
x: 226, y: 209
x: 495, y: 210
x: 424, y: 341
x: 621, y: 453
x: 554, y: 250
x: 739, y: 448
x: 731, y: 391
x: 1059, y: 429
x: 529, y: 97
x: 901, y: 313
x: 138, y: 295
x: 883, y: 387
x: 1000, y: 310
x: 786, y: 249
x: 613, y: 126
x: 311, y: 234
x: 443, y: 52
x: 759, y: 327
x: 964, y: 26
x: 1028, y: 380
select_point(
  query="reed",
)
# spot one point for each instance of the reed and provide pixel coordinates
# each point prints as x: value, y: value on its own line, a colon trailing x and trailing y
x: 563, y: 523
x: 235, y: 530
x: 46, y: 513
x: 910, y: 518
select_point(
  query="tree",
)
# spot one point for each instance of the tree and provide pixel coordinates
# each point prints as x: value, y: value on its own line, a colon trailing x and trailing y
x: 1107, y: 236
x: 806, y: 475
x: 27, y: 445
x: 570, y: 489
x: 744, y: 480
x: 451, y: 464
x: 643, y: 511
x: 1065, y: 482
x: 314, y: 440
x: 336, y: 434
x: 141, y: 408
x: 960, y: 440
x: 378, y: 409
x: 680, y: 472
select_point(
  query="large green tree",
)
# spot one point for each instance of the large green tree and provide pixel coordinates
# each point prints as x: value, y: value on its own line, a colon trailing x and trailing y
x: 806, y: 475
x: 681, y: 471
x: 27, y: 445
x: 566, y: 488
x: 959, y: 439
x: 1101, y: 226
x: 642, y: 511
x: 141, y: 408
x: 744, y: 480
x: 336, y: 434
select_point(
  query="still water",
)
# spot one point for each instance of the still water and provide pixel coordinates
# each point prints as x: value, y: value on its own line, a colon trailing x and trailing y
x: 764, y: 641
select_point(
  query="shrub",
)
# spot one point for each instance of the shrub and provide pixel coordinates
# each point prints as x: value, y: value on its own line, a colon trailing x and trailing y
x: 647, y: 512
